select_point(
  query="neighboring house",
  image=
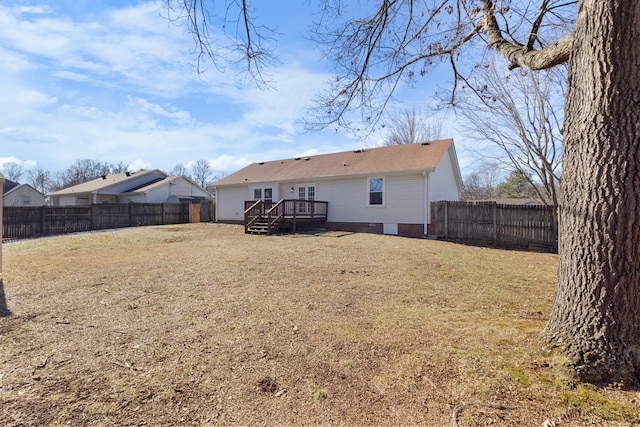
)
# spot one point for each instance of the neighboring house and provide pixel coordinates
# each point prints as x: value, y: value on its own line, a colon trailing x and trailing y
x: 383, y: 190
x: 153, y: 186
x: 15, y: 194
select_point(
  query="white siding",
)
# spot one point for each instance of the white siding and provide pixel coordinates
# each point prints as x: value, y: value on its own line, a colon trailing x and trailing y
x: 23, y: 195
x: 443, y: 184
x: 262, y: 185
x: 159, y: 194
x: 178, y: 187
x: 230, y: 203
x: 348, y: 200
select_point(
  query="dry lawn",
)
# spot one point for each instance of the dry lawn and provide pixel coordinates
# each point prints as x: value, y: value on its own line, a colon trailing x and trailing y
x: 199, y: 324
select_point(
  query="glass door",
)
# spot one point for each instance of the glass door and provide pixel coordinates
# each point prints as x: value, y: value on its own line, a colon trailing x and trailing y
x: 306, y: 194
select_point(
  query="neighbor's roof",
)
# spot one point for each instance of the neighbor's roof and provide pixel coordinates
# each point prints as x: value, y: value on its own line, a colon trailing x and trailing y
x: 16, y: 187
x: 8, y: 186
x: 102, y: 183
x: 163, y: 181
x: 396, y: 158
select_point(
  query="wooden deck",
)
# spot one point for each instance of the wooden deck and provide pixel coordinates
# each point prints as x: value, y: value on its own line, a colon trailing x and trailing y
x: 266, y: 217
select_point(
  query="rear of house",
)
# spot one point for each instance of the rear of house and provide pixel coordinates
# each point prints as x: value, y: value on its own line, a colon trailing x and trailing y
x: 382, y: 190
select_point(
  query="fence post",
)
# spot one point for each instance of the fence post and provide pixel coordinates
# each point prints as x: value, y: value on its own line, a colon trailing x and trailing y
x: 555, y: 226
x: 2, y: 181
x: 446, y: 219
x: 495, y: 223
x: 42, y: 219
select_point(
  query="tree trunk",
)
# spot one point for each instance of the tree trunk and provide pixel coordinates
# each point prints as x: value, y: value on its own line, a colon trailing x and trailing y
x: 595, y: 320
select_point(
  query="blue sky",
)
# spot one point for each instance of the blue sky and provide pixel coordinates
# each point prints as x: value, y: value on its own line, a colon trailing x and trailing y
x: 114, y: 81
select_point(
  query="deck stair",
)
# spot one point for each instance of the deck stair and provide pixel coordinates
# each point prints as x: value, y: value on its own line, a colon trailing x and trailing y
x: 261, y: 226
x: 267, y: 217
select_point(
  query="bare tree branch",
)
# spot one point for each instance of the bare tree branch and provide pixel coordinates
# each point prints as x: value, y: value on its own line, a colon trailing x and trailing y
x: 523, y: 56
x: 519, y: 113
x: 248, y: 44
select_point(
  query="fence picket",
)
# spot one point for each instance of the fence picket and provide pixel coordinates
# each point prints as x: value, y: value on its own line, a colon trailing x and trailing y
x: 24, y: 222
x: 522, y: 226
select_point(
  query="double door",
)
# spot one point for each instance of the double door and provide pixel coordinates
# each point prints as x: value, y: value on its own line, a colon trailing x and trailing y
x: 306, y: 193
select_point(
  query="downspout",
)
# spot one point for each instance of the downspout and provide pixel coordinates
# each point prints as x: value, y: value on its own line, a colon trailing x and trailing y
x: 427, y: 205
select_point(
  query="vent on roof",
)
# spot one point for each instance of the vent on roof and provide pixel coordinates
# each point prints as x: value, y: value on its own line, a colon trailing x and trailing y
x: 426, y: 143
x: 358, y: 151
x: 127, y: 173
x: 261, y: 163
x: 104, y: 176
x: 307, y: 159
x: 297, y: 158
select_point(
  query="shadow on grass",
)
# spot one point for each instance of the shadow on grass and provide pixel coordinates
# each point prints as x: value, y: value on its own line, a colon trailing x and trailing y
x: 4, y: 310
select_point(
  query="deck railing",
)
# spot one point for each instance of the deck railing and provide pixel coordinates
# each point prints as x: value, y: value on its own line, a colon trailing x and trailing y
x: 275, y: 214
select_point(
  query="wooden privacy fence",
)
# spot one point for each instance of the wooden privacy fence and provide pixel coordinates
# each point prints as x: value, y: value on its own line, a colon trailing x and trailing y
x: 511, y: 226
x: 24, y: 222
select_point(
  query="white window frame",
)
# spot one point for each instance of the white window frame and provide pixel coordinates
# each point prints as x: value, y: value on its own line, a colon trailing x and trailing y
x: 302, y: 207
x: 383, y: 191
x: 264, y: 194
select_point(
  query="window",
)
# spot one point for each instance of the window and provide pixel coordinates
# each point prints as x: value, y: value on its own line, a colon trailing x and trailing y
x: 311, y: 192
x: 268, y: 194
x: 257, y: 194
x: 376, y: 186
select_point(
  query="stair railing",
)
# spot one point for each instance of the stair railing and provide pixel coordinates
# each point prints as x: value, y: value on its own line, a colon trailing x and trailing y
x: 250, y: 215
x: 275, y: 216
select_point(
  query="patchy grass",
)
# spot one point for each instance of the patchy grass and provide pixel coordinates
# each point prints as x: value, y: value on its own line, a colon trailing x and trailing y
x: 199, y: 324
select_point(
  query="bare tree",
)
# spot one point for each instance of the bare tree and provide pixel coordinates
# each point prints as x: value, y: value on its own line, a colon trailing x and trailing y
x: 82, y: 170
x: 202, y: 173
x: 595, y: 316
x: 520, y: 113
x: 12, y: 171
x: 481, y: 184
x: 39, y: 179
x: 409, y: 126
x: 180, y: 170
x: 120, y: 167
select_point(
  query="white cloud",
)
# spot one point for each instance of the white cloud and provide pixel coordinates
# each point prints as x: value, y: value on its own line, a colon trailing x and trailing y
x: 138, y: 164
x: 229, y: 163
x: 26, y: 164
x: 120, y: 86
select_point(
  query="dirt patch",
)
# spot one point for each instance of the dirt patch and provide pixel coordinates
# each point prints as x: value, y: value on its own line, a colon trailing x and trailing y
x: 200, y: 324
